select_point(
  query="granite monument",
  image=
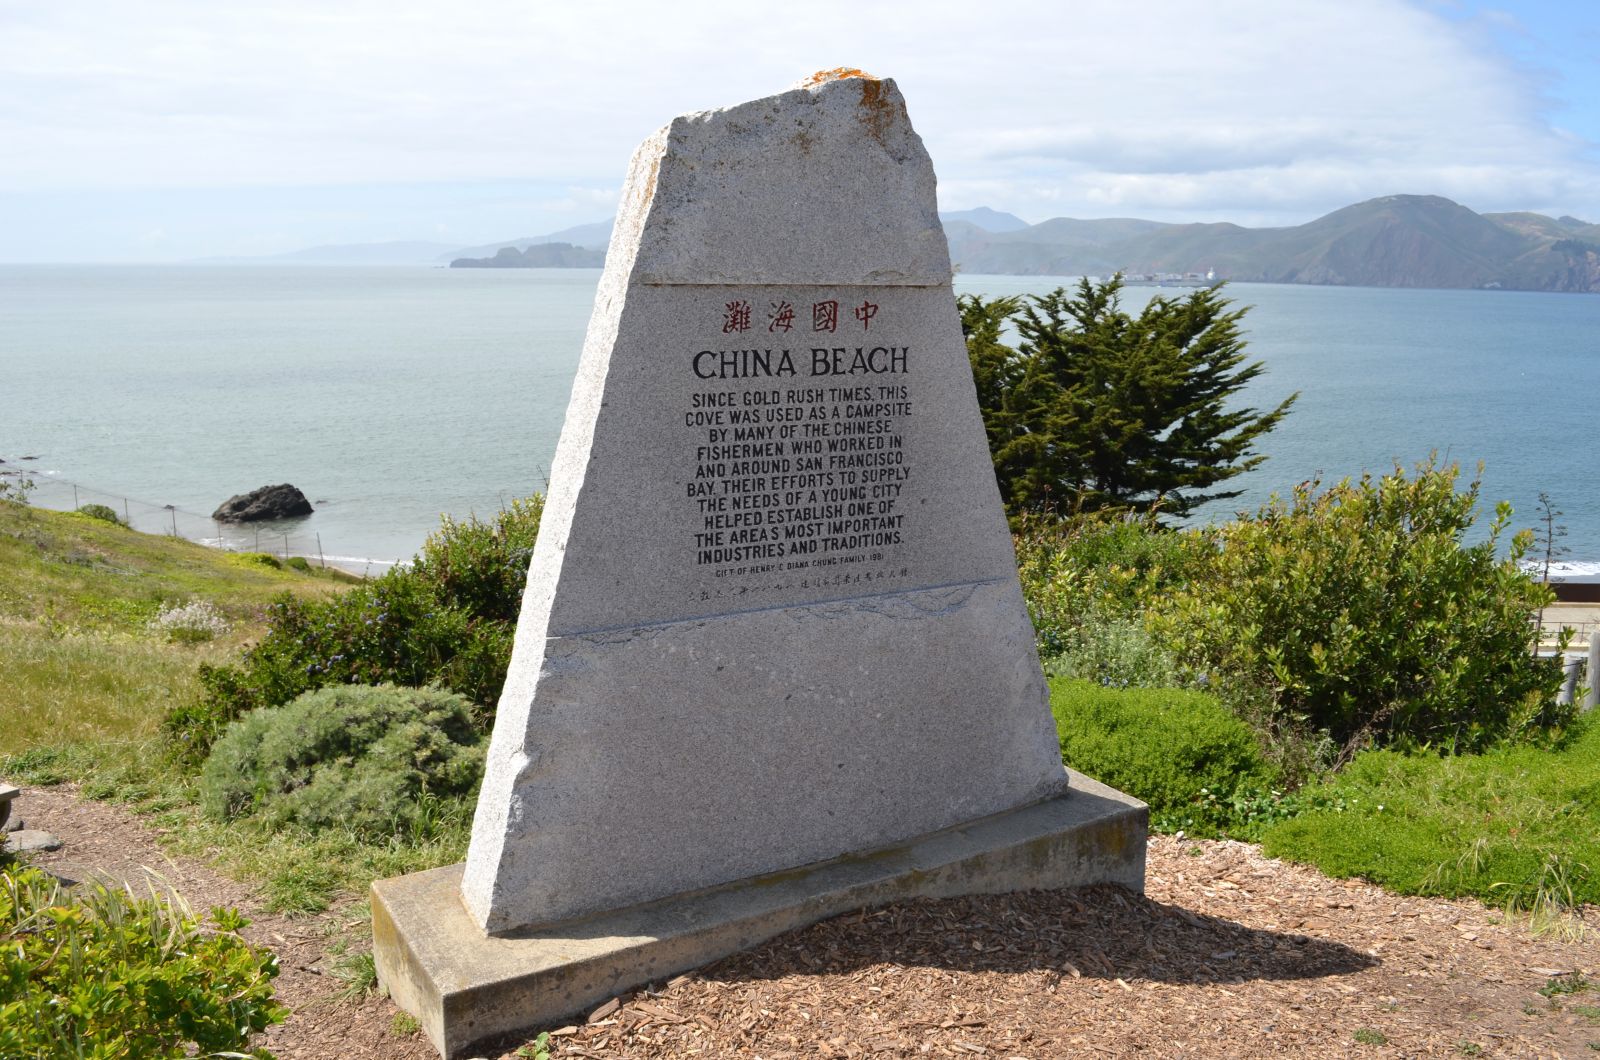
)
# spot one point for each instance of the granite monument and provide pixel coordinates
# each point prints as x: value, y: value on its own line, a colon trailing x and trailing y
x: 773, y: 660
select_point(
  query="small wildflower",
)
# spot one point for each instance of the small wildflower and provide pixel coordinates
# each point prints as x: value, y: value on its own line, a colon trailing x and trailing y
x: 191, y: 622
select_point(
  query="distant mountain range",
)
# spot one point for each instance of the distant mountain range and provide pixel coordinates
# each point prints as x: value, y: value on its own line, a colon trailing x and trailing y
x: 1395, y: 241
x: 986, y: 219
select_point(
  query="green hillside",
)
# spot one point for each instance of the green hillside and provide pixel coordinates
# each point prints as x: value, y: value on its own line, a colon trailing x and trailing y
x: 1394, y: 241
x: 78, y: 596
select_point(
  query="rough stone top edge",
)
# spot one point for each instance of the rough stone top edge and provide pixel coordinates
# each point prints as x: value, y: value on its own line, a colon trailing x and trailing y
x: 824, y: 184
x: 838, y: 73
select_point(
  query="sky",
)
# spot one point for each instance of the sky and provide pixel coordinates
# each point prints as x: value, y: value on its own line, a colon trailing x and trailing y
x: 169, y: 130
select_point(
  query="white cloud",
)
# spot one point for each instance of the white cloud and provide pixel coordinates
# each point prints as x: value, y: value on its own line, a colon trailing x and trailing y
x: 1252, y: 110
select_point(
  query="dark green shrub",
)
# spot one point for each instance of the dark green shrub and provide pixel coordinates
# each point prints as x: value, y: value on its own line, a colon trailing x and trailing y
x: 390, y: 630
x: 1097, y: 408
x: 299, y: 563
x: 193, y: 724
x: 1360, y: 612
x: 374, y: 761
x: 1197, y: 766
x: 448, y: 620
x: 101, y: 974
x: 481, y: 567
x: 101, y: 512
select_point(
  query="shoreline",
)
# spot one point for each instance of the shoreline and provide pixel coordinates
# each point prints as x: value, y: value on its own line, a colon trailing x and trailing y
x: 50, y: 491
x: 360, y: 568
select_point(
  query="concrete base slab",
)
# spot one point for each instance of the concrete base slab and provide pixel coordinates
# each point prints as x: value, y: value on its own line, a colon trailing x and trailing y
x: 464, y: 987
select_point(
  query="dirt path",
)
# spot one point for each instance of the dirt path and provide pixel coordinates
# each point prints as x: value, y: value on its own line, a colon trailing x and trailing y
x: 1229, y: 954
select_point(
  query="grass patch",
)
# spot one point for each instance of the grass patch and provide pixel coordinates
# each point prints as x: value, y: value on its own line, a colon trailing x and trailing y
x: 1563, y: 985
x: 358, y: 972
x: 87, y: 684
x: 66, y: 569
x: 1515, y: 826
x: 304, y: 872
x: 78, y: 660
x: 66, y: 686
x: 299, y: 871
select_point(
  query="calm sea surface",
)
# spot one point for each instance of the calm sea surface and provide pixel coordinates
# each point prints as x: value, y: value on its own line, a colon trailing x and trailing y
x: 393, y: 395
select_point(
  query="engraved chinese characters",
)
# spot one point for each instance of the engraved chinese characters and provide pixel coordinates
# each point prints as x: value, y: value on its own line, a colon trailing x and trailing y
x: 799, y: 484
x: 773, y: 613
x: 780, y: 317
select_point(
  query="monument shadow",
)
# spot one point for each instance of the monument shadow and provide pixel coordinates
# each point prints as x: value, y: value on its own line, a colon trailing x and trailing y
x: 1103, y: 931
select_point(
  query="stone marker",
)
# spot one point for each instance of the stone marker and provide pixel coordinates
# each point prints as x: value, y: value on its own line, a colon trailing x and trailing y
x: 8, y: 795
x: 772, y: 621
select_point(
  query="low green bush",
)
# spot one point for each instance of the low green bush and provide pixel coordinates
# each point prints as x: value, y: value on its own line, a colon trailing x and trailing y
x: 1198, y: 767
x: 481, y: 566
x: 102, y: 512
x: 261, y: 559
x: 299, y: 563
x: 1360, y: 612
x: 104, y: 975
x: 448, y: 619
x: 1518, y: 825
x: 372, y: 761
x: 1117, y: 651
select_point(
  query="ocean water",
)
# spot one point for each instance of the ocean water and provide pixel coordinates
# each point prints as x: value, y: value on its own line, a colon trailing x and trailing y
x: 393, y: 395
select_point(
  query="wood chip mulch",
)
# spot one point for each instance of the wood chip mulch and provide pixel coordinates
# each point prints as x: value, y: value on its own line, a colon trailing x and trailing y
x: 1228, y: 954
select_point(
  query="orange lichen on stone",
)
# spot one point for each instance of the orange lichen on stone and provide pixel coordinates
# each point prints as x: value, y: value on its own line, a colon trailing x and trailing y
x: 838, y: 73
x: 878, y: 109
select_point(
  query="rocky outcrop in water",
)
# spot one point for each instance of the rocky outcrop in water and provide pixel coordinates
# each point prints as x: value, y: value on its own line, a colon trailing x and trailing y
x: 538, y: 256
x: 269, y: 502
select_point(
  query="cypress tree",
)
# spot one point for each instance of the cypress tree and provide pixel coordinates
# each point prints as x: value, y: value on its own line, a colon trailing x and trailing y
x: 1095, y: 408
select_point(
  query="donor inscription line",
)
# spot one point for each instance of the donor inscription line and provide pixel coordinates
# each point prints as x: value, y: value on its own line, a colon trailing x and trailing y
x: 797, y: 486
